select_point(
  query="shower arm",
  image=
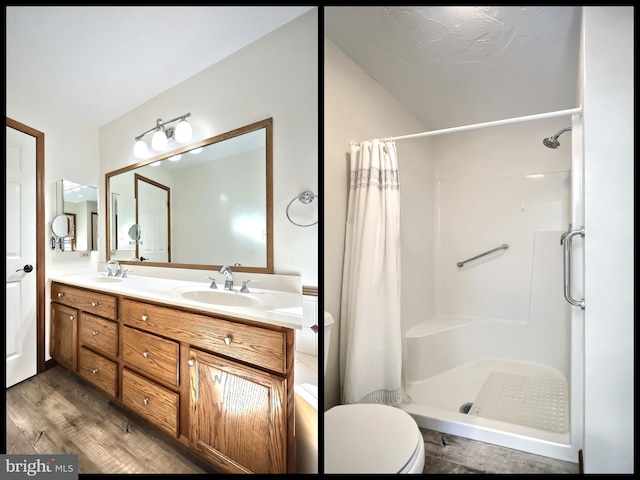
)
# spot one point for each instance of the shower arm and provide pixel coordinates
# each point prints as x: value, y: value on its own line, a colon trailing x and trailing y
x: 555, y: 137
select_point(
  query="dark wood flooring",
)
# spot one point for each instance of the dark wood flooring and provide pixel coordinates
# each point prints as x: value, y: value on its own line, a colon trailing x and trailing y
x: 451, y: 454
x: 56, y: 412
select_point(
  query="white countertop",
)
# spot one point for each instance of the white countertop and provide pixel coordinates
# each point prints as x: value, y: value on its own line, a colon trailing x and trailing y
x: 274, y: 307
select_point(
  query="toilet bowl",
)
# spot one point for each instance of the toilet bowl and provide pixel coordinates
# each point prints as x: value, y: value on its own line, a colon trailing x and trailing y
x: 369, y: 438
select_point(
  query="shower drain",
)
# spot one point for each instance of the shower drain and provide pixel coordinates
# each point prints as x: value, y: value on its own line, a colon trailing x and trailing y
x: 465, y: 407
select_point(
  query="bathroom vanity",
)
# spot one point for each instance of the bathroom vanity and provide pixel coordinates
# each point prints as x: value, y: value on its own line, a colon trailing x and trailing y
x: 212, y: 370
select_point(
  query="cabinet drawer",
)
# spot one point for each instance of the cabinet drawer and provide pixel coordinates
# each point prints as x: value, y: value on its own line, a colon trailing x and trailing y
x: 98, y: 303
x: 157, y: 404
x: 263, y: 347
x: 99, y: 333
x: 98, y: 370
x: 152, y: 355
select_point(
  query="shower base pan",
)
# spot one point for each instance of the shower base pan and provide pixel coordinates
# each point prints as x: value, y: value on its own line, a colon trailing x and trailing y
x: 510, y: 401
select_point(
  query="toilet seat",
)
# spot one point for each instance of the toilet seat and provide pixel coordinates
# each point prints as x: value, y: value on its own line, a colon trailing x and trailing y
x: 371, y: 438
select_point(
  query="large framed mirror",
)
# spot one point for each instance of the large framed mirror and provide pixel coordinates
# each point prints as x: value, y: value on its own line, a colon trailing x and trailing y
x: 76, y: 224
x: 199, y: 206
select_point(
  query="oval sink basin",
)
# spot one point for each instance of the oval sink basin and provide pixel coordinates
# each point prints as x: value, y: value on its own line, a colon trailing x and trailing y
x: 105, y: 279
x: 218, y: 297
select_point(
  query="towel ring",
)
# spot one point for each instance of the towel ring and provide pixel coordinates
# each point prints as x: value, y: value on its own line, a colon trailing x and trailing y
x: 305, y: 198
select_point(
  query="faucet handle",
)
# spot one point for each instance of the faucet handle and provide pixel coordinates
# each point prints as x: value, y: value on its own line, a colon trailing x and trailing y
x: 244, y: 288
x: 124, y: 272
x: 213, y: 283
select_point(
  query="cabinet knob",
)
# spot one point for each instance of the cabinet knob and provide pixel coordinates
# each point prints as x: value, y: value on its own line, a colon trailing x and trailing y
x: 227, y: 340
x: 145, y: 354
x: 94, y: 304
x: 191, y: 362
x: 94, y: 371
x: 144, y: 318
x: 60, y: 294
x: 72, y: 317
x: 94, y: 333
x: 145, y: 400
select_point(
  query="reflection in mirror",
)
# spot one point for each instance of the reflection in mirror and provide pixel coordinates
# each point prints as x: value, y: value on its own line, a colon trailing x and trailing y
x: 197, y: 210
x: 62, y: 226
x: 80, y: 204
x: 135, y: 232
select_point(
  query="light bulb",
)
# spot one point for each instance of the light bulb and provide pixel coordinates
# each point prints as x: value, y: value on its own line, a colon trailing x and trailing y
x: 175, y: 158
x: 196, y: 150
x: 140, y: 149
x: 159, y: 141
x: 183, y: 131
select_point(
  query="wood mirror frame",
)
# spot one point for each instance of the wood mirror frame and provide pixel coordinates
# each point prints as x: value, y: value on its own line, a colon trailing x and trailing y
x: 267, y: 125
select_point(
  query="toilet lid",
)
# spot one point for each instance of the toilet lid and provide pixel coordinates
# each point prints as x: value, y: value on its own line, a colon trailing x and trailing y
x: 367, y: 438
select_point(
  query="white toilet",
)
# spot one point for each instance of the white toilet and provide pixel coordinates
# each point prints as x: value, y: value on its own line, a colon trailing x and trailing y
x: 369, y: 438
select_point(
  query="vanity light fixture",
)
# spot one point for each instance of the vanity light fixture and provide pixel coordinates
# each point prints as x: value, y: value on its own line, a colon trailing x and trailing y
x: 163, y: 135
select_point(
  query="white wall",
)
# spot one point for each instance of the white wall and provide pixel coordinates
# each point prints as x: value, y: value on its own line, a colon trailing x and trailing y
x: 70, y: 151
x: 356, y: 108
x: 609, y: 238
x: 276, y: 76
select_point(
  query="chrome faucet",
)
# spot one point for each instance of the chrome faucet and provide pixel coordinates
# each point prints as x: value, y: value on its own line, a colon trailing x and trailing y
x: 118, y: 271
x: 228, y: 282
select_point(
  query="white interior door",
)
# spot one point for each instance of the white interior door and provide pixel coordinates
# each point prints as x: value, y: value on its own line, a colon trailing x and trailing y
x: 153, y: 217
x: 21, y: 311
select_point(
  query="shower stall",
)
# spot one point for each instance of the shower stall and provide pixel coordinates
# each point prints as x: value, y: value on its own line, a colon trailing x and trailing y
x: 499, y: 357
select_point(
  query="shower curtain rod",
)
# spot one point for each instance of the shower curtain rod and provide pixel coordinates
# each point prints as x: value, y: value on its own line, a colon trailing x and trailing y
x: 496, y: 123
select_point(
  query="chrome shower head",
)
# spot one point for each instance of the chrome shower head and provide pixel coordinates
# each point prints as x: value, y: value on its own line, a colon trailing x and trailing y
x: 552, y: 142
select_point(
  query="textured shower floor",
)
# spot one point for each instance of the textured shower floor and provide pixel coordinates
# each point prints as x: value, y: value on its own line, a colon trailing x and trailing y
x: 436, y: 404
x: 524, y: 400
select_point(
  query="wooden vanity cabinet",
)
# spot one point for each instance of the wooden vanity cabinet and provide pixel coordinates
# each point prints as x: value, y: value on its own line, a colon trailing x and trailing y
x: 220, y: 385
x: 84, y: 334
x: 64, y: 336
x: 235, y: 382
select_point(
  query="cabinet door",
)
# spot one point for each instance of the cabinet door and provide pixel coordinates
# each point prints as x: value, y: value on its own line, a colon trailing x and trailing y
x: 64, y: 336
x: 237, y: 415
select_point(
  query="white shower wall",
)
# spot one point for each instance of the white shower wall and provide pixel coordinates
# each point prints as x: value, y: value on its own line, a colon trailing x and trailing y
x: 494, y: 186
x: 477, y: 215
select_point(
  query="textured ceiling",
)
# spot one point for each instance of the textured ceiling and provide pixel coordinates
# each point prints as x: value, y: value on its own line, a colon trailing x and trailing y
x: 101, y: 62
x: 454, y: 66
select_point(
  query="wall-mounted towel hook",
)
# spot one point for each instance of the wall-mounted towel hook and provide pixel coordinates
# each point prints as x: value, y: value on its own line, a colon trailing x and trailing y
x: 305, y: 198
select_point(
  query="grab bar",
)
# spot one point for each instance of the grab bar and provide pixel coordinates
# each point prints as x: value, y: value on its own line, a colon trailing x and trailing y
x: 504, y: 246
x: 566, y: 240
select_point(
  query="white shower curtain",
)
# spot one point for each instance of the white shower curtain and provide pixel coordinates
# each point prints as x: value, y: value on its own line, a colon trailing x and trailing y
x: 370, y: 333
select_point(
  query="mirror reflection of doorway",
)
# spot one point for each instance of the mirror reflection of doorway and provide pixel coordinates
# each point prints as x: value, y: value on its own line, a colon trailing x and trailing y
x: 94, y: 231
x: 153, y: 216
x: 69, y: 244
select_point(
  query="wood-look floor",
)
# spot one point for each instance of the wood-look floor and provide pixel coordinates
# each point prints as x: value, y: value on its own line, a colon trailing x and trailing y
x: 451, y: 454
x: 57, y: 412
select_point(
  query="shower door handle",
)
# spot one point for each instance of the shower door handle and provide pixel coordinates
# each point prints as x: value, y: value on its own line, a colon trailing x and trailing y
x: 566, y: 240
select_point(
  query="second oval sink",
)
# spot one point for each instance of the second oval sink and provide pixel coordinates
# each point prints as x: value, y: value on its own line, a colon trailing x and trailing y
x: 217, y: 297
